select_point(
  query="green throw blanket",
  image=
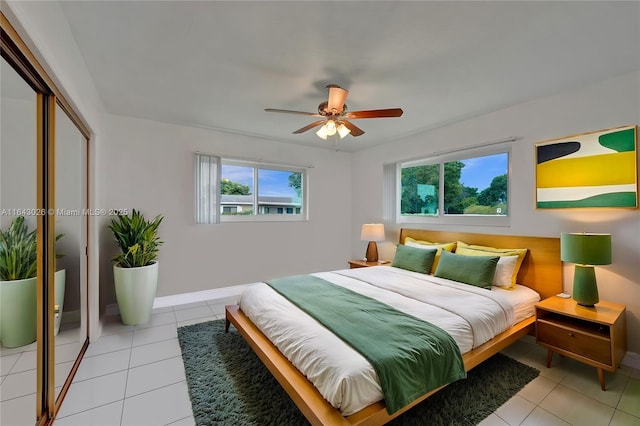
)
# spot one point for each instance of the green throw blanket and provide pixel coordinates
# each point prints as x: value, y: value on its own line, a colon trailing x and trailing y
x: 411, y: 357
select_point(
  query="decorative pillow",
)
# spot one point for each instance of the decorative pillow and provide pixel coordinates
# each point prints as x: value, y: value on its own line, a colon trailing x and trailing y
x: 475, y: 250
x: 413, y: 259
x: 475, y: 270
x: 504, y: 271
x: 421, y: 244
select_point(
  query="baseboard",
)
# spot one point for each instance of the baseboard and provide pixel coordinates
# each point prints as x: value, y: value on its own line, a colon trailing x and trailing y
x: 632, y: 360
x: 198, y: 296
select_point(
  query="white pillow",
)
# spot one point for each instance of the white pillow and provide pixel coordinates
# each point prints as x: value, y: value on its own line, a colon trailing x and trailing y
x: 504, y: 270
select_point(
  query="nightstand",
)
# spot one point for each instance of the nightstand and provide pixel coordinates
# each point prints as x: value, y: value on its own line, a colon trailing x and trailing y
x: 596, y: 335
x: 359, y: 263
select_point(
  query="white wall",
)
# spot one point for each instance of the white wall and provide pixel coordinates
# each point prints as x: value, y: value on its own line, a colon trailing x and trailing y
x: 149, y: 166
x: 608, y: 104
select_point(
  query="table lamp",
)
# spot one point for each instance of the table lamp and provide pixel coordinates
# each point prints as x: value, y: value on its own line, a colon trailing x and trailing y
x: 372, y: 232
x: 585, y: 250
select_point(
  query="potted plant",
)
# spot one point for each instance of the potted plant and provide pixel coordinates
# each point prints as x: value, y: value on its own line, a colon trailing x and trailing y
x: 135, y: 268
x: 18, y: 284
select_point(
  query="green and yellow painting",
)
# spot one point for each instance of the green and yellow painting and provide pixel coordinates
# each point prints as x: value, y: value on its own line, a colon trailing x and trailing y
x: 597, y: 169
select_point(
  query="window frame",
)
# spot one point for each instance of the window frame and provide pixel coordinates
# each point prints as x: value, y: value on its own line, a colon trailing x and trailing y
x: 255, y: 216
x: 454, y: 219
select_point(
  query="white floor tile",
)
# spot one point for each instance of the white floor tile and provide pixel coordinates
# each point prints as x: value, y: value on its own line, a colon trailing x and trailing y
x: 584, y: 379
x: 68, y: 352
x: 106, y: 415
x: 61, y: 373
x: 576, y: 408
x: 100, y: 365
x: 26, y: 361
x: 198, y: 312
x: 154, y: 334
x: 515, y: 410
x: 623, y: 419
x: 159, y: 407
x: 630, y: 401
x: 196, y: 321
x: 7, y: 362
x: 155, y: 375
x: 540, y: 417
x: 115, y: 326
x: 19, y: 411
x: 159, y: 319
x: 19, y: 384
x: 493, y: 420
x: 94, y: 393
x: 111, y: 343
x: 536, y: 390
x: 153, y: 352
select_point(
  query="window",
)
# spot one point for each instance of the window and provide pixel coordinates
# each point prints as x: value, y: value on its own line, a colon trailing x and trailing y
x: 465, y: 184
x: 254, y: 191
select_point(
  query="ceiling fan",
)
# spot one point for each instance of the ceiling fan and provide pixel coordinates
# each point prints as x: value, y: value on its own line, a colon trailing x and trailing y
x: 335, y: 116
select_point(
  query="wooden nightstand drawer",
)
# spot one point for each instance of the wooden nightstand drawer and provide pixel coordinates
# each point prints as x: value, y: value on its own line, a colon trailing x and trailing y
x: 589, y: 345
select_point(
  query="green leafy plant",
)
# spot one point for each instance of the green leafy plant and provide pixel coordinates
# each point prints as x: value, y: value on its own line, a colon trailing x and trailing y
x: 137, y: 238
x: 19, y: 251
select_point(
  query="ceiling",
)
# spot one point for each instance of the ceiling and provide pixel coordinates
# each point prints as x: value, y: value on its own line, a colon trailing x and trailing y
x: 217, y: 65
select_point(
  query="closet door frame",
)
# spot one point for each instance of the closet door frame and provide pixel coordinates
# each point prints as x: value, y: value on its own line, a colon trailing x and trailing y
x: 18, y: 55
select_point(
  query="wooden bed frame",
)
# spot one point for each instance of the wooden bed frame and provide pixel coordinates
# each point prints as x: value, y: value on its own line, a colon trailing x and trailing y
x: 541, y: 271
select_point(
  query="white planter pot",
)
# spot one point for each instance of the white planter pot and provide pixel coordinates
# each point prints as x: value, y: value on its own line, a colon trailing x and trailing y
x: 60, y: 280
x: 135, y: 292
x: 18, y: 302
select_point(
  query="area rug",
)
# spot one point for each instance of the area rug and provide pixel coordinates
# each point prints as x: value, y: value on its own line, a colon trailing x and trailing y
x: 229, y: 385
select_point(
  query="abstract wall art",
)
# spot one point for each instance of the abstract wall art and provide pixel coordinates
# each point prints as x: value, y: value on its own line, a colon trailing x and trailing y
x: 595, y: 169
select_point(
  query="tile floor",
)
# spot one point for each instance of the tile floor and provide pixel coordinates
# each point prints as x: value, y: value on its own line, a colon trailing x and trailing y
x: 135, y: 376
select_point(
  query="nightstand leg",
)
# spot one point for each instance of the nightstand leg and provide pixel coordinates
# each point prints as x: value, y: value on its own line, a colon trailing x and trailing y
x: 549, y: 358
x: 601, y: 378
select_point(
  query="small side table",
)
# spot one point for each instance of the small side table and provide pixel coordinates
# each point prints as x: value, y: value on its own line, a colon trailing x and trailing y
x: 359, y: 263
x: 596, y: 335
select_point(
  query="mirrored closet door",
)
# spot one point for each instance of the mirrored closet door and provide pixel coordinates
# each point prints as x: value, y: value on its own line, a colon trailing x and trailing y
x: 71, y: 234
x: 43, y: 247
x: 18, y: 285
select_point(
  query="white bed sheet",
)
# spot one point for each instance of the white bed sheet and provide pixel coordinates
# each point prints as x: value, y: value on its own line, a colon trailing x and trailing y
x: 471, y: 315
x: 522, y: 298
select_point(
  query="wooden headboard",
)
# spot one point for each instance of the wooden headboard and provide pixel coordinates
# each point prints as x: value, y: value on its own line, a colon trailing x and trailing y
x: 541, y: 269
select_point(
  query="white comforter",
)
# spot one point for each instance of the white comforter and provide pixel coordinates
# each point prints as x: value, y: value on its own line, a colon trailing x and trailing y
x: 471, y: 315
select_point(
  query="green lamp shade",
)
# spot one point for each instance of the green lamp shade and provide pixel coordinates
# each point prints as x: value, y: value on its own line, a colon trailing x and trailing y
x: 585, y: 250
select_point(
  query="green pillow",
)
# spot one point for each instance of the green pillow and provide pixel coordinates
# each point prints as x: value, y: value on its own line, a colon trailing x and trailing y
x: 474, y: 270
x: 414, y: 259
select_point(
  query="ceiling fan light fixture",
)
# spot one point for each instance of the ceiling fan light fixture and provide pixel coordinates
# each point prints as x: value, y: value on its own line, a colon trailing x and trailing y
x: 322, y: 132
x: 343, y: 130
x: 331, y: 127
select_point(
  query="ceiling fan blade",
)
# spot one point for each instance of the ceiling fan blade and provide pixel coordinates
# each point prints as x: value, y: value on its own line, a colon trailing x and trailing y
x: 287, y: 111
x: 374, y: 113
x: 309, y: 126
x: 337, y: 97
x: 355, y: 130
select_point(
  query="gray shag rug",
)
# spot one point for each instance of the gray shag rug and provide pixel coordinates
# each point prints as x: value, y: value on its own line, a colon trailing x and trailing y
x: 229, y: 385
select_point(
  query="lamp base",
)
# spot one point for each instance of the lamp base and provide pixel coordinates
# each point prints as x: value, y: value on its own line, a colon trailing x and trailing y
x: 372, y: 252
x: 585, y: 288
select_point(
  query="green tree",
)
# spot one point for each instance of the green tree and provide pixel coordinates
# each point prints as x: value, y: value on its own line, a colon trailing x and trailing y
x: 295, y: 182
x: 496, y: 193
x: 228, y: 187
x: 453, y: 188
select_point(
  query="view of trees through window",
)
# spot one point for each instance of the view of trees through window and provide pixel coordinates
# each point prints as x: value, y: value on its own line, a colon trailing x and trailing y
x: 278, y: 191
x: 473, y: 186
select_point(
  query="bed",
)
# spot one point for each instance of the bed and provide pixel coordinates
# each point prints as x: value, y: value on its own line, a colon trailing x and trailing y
x: 540, y: 271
